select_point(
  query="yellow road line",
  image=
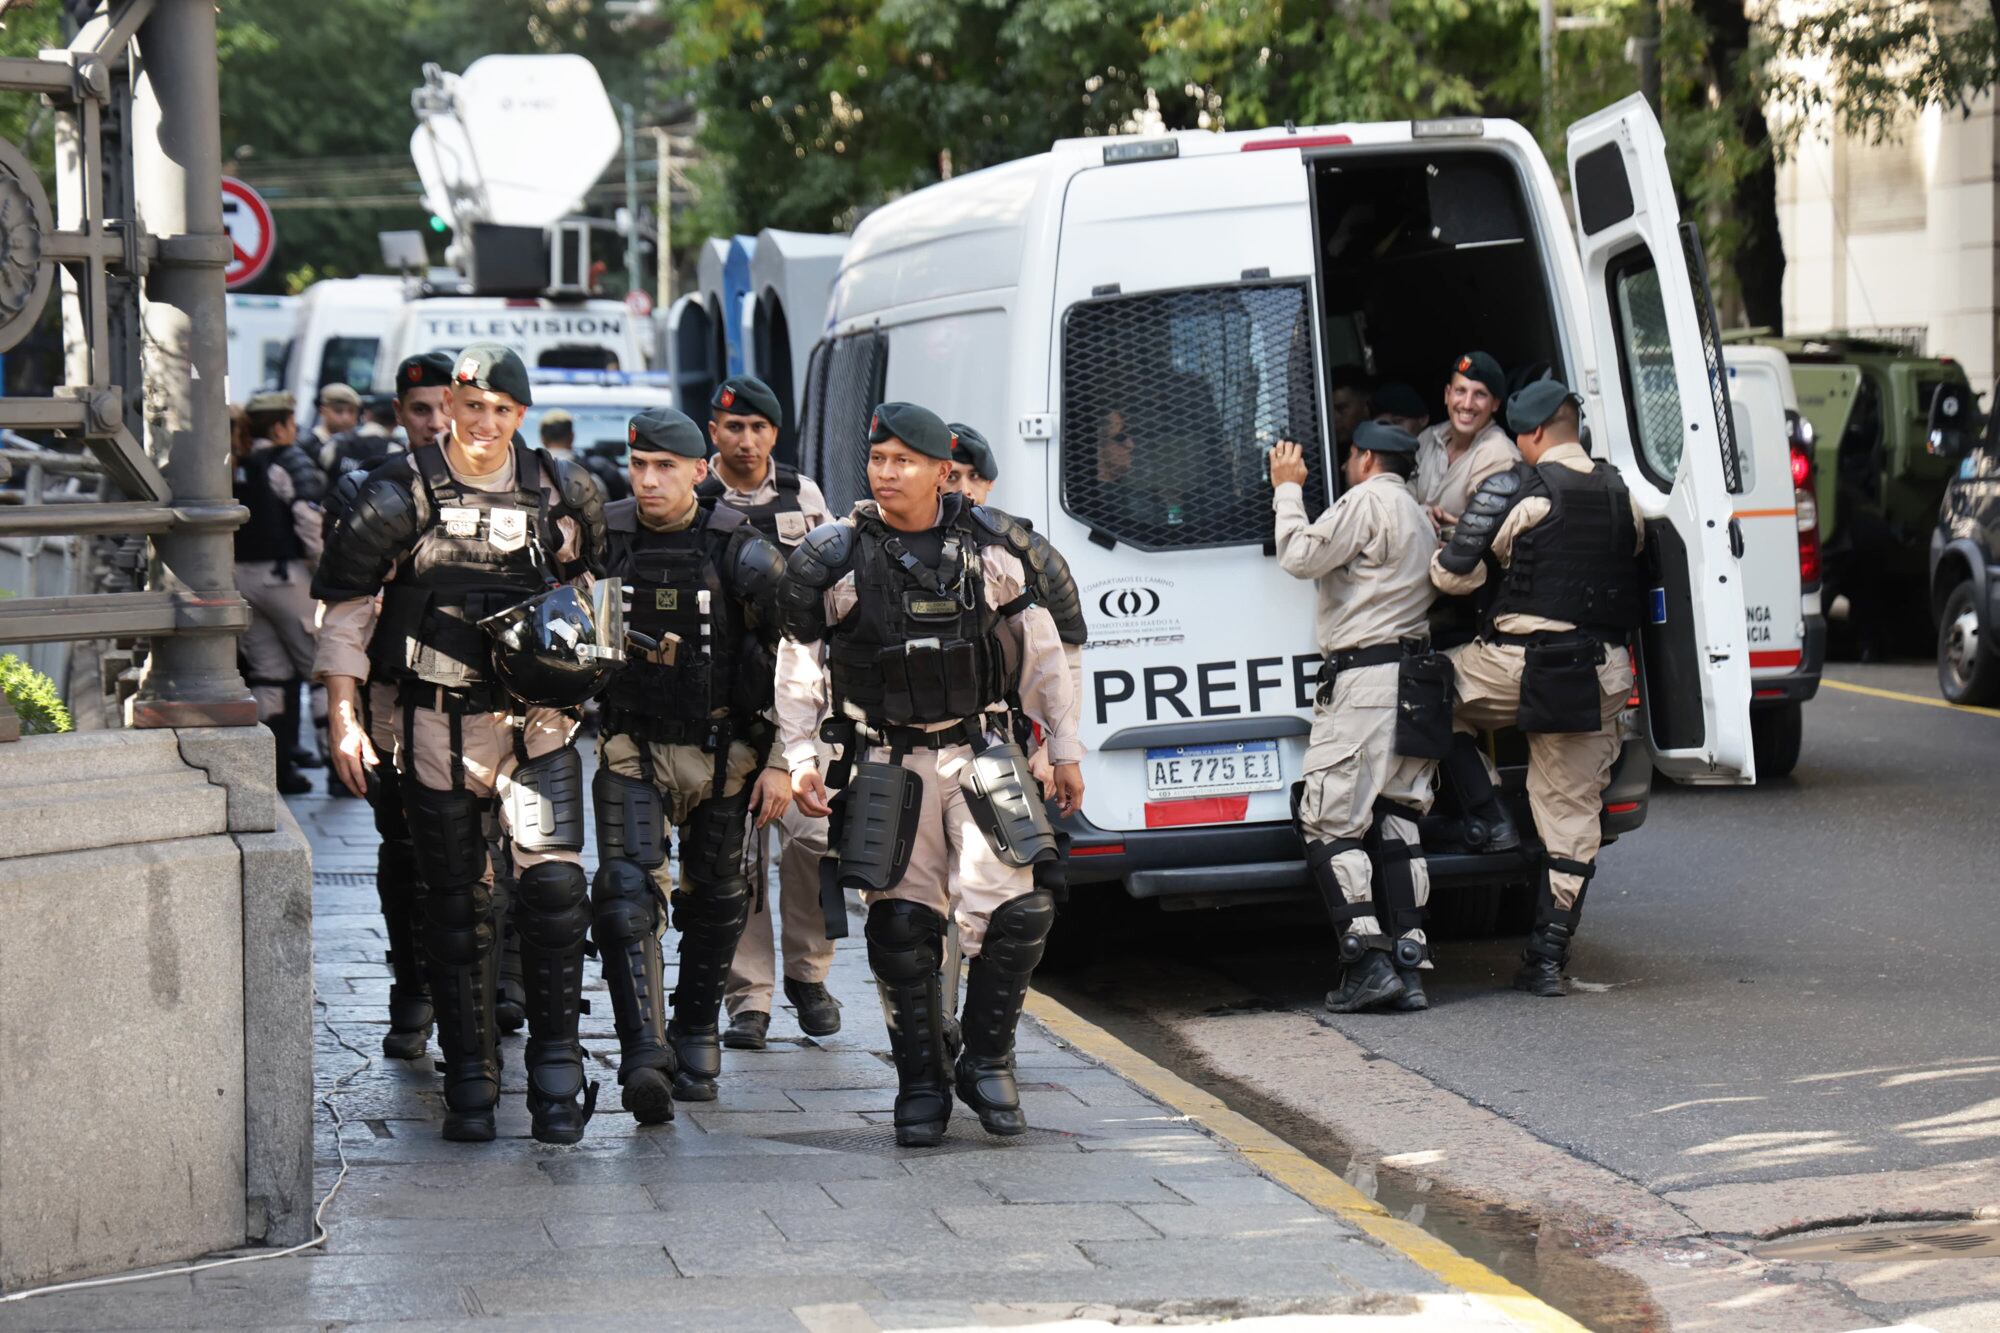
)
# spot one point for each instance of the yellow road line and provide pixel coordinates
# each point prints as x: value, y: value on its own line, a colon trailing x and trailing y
x: 1901, y: 697
x: 1300, y: 1174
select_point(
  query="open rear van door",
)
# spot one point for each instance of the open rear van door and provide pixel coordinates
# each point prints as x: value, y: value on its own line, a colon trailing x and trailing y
x: 1651, y: 314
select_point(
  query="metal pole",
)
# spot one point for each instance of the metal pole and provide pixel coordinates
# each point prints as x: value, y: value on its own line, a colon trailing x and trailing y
x: 631, y: 198
x: 190, y: 679
x: 663, y: 256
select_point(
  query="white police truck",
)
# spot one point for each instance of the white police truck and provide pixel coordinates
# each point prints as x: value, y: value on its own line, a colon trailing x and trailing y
x: 1134, y: 321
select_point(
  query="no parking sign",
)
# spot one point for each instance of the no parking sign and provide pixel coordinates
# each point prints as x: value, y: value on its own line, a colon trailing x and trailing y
x: 252, y: 234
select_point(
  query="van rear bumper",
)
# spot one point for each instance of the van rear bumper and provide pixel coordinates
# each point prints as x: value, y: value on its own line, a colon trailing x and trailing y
x: 1794, y: 687
x: 1249, y: 862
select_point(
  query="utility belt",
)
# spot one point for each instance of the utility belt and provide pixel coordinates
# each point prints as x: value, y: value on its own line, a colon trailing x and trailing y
x: 1560, y: 692
x: 1424, y: 691
x: 713, y: 735
x: 484, y: 696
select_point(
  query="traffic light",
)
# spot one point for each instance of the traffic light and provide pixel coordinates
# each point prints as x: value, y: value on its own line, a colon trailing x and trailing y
x: 439, y: 225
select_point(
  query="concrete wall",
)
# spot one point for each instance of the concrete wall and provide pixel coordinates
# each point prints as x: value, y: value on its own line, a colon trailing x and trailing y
x: 1899, y: 235
x: 155, y: 1002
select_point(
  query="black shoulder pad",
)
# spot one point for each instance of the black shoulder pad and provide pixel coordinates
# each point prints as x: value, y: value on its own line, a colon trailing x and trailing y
x: 377, y: 529
x: 1001, y: 525
x: 339, y: 499
x: 816, y: 564
x: 1473, y: 536
x: 308, y: 482
x: 583, y: 498
x: 1048, y: 574
x: 752, y: 566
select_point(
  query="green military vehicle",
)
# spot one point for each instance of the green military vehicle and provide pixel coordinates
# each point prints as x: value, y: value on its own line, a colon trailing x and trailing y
x: 1868, y: 402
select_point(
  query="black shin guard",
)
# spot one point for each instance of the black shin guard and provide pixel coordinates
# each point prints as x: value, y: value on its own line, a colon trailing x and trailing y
x: 456, y: 910
x: 996, y: 988
x: 905, y: 950
x: 710, y: 918
x: 1546, y: 952
x: 553, y: 920
x: 1484, y: 822
x: 625, y: 922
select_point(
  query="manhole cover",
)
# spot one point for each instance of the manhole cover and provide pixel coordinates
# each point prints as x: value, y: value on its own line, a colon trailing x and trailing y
x: 344, y: 879
x: 1966, y: 1240
x: 959, y: 1138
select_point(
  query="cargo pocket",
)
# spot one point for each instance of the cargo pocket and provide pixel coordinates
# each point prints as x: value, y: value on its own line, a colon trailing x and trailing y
x: 1423, y: 706
x: 1559, y: 688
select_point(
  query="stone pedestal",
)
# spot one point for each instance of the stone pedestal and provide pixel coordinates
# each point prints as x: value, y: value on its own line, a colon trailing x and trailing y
x: 155, y: 1002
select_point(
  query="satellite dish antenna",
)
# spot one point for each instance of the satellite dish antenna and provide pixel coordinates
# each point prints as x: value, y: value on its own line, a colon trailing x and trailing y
x: 515, y: 140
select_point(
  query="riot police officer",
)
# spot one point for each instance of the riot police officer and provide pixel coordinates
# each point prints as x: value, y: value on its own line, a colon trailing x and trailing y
x: 1463, y: 450
x: 276, y: 550
x: 421, y: 382
x: 1382, y: 715
x: 686, y: 743
x: 914, y: 600
x: 744, y: 417
x: 1552, y: 656
x: 973, y: 469
x: 449, y: 535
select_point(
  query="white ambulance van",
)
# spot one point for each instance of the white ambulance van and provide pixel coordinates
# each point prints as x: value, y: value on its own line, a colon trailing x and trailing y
x: 1134, y: 321
x: 1779, y: 517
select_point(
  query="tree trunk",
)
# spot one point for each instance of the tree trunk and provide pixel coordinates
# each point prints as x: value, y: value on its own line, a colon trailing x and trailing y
x: 1759, y: 261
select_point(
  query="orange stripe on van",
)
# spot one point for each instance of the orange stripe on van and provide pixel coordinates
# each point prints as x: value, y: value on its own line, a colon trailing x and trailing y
x: 1787, y: 512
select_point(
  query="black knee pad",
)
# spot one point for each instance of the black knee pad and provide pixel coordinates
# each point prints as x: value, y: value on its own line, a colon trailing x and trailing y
x: 624, y: 905
x: 905, y: 940
x: 1017, y: 932
x: 545, y: 802
x: 712, y: 840
x: 631, y: 819
x: 549, y: 905
x: 458, y: 923
x: 452, y: 849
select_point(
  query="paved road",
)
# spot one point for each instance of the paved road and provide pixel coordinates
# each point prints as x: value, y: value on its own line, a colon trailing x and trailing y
x: 1785, y: 982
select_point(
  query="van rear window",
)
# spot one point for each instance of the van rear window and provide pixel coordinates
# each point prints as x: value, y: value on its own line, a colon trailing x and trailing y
x: 1170, y: 403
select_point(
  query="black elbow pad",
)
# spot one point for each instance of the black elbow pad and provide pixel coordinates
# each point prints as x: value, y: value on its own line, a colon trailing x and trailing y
x: 584, y: 499
x: 1473, y: 535
x: 816, y: 564
x: 379, y: 526
x: 1056, y: 589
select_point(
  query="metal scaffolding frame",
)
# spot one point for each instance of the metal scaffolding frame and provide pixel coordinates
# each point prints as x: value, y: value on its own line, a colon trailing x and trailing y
x: 138, y: 245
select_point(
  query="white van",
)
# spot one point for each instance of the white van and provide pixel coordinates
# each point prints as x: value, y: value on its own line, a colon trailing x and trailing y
x: 260, y: 330
x: 547, y: 334
x: 1134, y: 321
x: 1779, y: 518
x: 791, y: 276
x: 341, y: 325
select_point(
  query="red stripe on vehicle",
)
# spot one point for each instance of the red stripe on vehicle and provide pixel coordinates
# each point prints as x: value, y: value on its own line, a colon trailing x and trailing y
x: 1201, y: 810
x: 1622, y: 808
x: 1788, y: 657
x: 1102, y: 849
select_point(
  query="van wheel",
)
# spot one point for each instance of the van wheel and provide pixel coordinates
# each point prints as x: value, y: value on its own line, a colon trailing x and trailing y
x: 1967, y: 670
x: 1775, y: 737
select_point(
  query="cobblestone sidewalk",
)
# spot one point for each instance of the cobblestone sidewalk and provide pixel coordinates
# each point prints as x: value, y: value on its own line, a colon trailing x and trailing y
x: 784, y: 1205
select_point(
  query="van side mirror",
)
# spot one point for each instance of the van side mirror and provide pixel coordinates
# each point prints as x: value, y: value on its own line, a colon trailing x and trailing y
x: 1954, y: 420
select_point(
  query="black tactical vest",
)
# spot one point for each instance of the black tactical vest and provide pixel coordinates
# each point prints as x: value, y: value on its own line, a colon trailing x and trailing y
x: 765, y: 516
x: 1577, y: 564
x: 920, y: 645
x: 719, y: 671
x: 482, y: 552
x: 269, y: 533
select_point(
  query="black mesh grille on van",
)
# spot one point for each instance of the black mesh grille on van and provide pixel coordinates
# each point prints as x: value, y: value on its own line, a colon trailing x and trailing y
x: 844, y: 384
x: 1170, y: 402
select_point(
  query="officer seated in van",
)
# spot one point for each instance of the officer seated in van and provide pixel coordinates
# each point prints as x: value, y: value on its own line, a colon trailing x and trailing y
x: 973, y: 470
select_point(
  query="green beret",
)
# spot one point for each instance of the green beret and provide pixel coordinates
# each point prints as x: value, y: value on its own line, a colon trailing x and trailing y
x: 494, y: 368
x: 1379, y: 439
x: 426, y: 370
x: 1397, y: 399
x: 746, y: 395
x: 1530, y: 409
x: 970, y: 447
x: 918, y: 428
x: 1482, y: 369
x: 661, y: 430
x: 272, y: 400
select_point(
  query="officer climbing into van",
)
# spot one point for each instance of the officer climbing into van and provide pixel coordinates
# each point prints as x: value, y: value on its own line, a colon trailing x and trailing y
x: 931, y: 637
x: 744, y: 417
x: 1459, y: 453
x: 421, y: 384
x: 1382, y: 716
x: 686, y: 741
x: 1565, y: 535
x: 472, y: 543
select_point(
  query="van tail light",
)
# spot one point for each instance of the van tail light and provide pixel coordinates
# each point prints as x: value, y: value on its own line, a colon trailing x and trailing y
x: 1807, y: 505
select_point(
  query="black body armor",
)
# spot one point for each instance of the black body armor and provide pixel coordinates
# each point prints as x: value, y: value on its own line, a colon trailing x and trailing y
x: 270, y: 533
x: 765, y: 516
x: 713, y: 668
x: 1578, y: 564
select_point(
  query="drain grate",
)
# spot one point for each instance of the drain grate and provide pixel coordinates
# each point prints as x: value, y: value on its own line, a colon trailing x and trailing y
x: 343, y: 879
x: 959, y: 1138
x: 1970, y: 1240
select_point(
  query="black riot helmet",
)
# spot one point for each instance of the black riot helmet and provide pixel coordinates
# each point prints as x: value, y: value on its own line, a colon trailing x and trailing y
x: 549, y: 650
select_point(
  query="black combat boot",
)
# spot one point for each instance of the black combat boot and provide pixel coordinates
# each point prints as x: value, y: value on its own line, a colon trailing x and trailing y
x: 553, y: 919
x: 996, y: 986
x: 905, y: 949
x: 1368, y: 978
x: 711, y: 919
x: 1547, y: 950
x: 818, y: 1012
x: 749, y: 1030
x: 1409, y: 957
x: 1484, y: 824
x: 626, y: 926
x: 285, y: 732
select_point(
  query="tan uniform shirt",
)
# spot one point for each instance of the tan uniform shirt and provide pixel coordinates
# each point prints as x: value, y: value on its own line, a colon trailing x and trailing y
x: 1520, y: 518
x: 1028, y: 637
x: 812, y: 504
x: 1368, y: 557
x: 1449, y: 483
x: 345, y: 627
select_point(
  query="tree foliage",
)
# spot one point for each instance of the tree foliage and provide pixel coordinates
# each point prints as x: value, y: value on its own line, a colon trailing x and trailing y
x: 37, y: 701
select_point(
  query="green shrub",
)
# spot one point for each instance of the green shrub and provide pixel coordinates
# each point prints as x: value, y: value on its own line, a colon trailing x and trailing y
x: 34, y: 696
